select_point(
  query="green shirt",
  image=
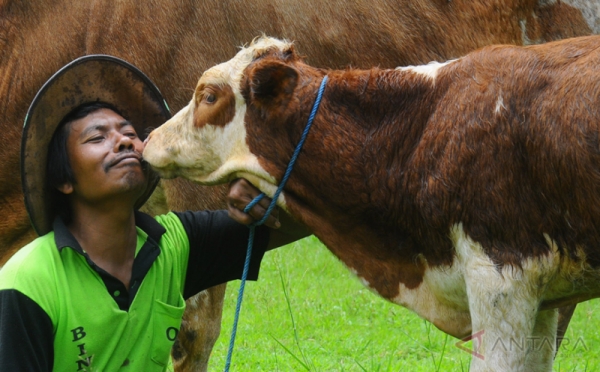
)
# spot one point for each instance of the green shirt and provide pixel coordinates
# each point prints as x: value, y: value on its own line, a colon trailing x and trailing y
x: 96, y: 329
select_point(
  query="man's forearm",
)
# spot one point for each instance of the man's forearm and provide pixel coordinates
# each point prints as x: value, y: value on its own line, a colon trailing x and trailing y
x: 289, y: 232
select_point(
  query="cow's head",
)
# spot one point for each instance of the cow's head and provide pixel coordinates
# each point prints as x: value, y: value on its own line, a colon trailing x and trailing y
x: 207, y: 141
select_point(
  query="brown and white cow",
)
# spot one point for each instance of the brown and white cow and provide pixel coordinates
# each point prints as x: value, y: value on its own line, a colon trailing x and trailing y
x: 173, y: 41
x: 466, y: 191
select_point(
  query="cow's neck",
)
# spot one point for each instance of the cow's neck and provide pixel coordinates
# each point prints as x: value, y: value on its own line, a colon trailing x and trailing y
x: 349, y: 185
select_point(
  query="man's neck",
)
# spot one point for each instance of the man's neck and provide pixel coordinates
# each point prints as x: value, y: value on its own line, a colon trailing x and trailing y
x: 108, y: 236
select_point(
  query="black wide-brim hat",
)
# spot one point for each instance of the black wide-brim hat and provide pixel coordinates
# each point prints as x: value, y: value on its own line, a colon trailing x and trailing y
x: 88, y: 79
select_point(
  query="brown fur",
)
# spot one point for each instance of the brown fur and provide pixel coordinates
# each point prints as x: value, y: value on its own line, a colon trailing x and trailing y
x: 406, y: 159
x: 174, y: 41
x: 218, y: 113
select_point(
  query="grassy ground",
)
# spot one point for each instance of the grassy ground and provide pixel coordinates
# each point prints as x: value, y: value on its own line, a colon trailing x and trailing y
x: 308, y: 313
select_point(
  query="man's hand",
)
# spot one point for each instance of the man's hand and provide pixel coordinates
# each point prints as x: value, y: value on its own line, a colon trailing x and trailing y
x: 241, y: 193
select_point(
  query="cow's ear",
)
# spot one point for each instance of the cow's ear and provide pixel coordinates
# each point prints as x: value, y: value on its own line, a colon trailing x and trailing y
x: 272, y: 83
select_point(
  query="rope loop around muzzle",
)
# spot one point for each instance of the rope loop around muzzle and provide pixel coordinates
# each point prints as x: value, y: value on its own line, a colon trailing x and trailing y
x: 272, y: 205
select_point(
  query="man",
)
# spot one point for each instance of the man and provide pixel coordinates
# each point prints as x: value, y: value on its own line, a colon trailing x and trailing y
x: 103, y: 287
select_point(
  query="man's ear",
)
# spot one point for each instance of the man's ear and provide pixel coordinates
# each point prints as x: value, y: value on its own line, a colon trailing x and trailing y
x: 272, y: 83
x: 66, y: 188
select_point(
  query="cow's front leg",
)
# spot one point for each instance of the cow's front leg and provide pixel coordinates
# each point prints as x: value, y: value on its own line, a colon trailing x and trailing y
x: 503, y: 315
x: 503, y: 302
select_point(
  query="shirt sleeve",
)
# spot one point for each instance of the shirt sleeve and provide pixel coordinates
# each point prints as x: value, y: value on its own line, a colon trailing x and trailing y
x: 26, y: 335
x: 218, y: 247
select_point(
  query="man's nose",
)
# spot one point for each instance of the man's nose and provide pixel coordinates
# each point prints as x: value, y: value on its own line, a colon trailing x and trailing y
x: 124, y: 142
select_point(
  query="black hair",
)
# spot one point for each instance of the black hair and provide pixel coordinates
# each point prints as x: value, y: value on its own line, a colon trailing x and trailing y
x: 58, y: 166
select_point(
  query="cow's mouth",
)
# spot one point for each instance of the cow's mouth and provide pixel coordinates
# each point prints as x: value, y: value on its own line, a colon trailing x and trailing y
x: 169, y: 172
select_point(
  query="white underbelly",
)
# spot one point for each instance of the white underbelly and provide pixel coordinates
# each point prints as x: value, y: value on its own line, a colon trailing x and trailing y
x: 441, y: 299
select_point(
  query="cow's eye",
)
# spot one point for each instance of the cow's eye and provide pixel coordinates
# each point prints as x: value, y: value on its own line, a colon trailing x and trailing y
x: 210, y: 98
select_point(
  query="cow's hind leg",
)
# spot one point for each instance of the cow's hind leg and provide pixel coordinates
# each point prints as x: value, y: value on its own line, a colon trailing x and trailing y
x: 200, y: 329
x: 565, y: 314
x: 542, y: 345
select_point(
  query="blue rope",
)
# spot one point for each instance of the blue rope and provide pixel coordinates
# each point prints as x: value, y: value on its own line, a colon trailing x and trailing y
x: 252, y: 226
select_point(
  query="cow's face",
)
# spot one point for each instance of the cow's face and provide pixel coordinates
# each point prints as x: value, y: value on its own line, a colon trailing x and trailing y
x: 206, y: 141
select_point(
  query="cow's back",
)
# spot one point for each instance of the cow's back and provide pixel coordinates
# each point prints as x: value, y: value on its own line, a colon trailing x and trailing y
x: 519, y: 127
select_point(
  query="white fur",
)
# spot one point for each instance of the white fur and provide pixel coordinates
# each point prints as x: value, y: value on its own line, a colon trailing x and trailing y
x: 441, y: 299
x: 429, y: 70
x: 499, y: 105
x: 504, y: 304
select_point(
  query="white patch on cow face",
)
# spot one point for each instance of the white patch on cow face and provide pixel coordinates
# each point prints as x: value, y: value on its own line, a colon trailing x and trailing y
x: 429, y: 70
x: 211, y: 154
x: 590, y: 9
x: 208, y: 155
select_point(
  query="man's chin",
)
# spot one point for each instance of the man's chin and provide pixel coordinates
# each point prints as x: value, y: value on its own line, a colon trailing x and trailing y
x: 135, y: 182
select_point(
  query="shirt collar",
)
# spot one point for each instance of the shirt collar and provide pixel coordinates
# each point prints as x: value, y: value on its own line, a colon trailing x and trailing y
x: 64, y: 238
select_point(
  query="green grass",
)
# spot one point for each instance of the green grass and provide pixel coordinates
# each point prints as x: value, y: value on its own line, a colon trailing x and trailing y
x: 307, y: 312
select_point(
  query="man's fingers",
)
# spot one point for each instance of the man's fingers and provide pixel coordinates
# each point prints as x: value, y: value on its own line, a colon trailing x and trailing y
x: 241, y: 193
x: 258, y: 212
x: 255, y: 214
x: 240, y: 217
x: 265, y: 202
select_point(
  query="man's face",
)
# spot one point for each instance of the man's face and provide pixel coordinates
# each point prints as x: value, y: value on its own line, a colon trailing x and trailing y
x: 105, y: 155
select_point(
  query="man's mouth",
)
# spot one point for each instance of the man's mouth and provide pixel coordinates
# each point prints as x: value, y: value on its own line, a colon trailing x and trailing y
x: 131, y: 158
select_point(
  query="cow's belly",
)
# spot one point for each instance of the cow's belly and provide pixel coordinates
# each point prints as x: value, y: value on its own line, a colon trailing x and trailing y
x: 573, y: 281
x: 441, y: 295
x: 571, y: 287
x: 440, y: 298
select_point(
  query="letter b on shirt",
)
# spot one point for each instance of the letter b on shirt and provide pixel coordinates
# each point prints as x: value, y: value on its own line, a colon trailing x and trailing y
x: 78, y: 333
